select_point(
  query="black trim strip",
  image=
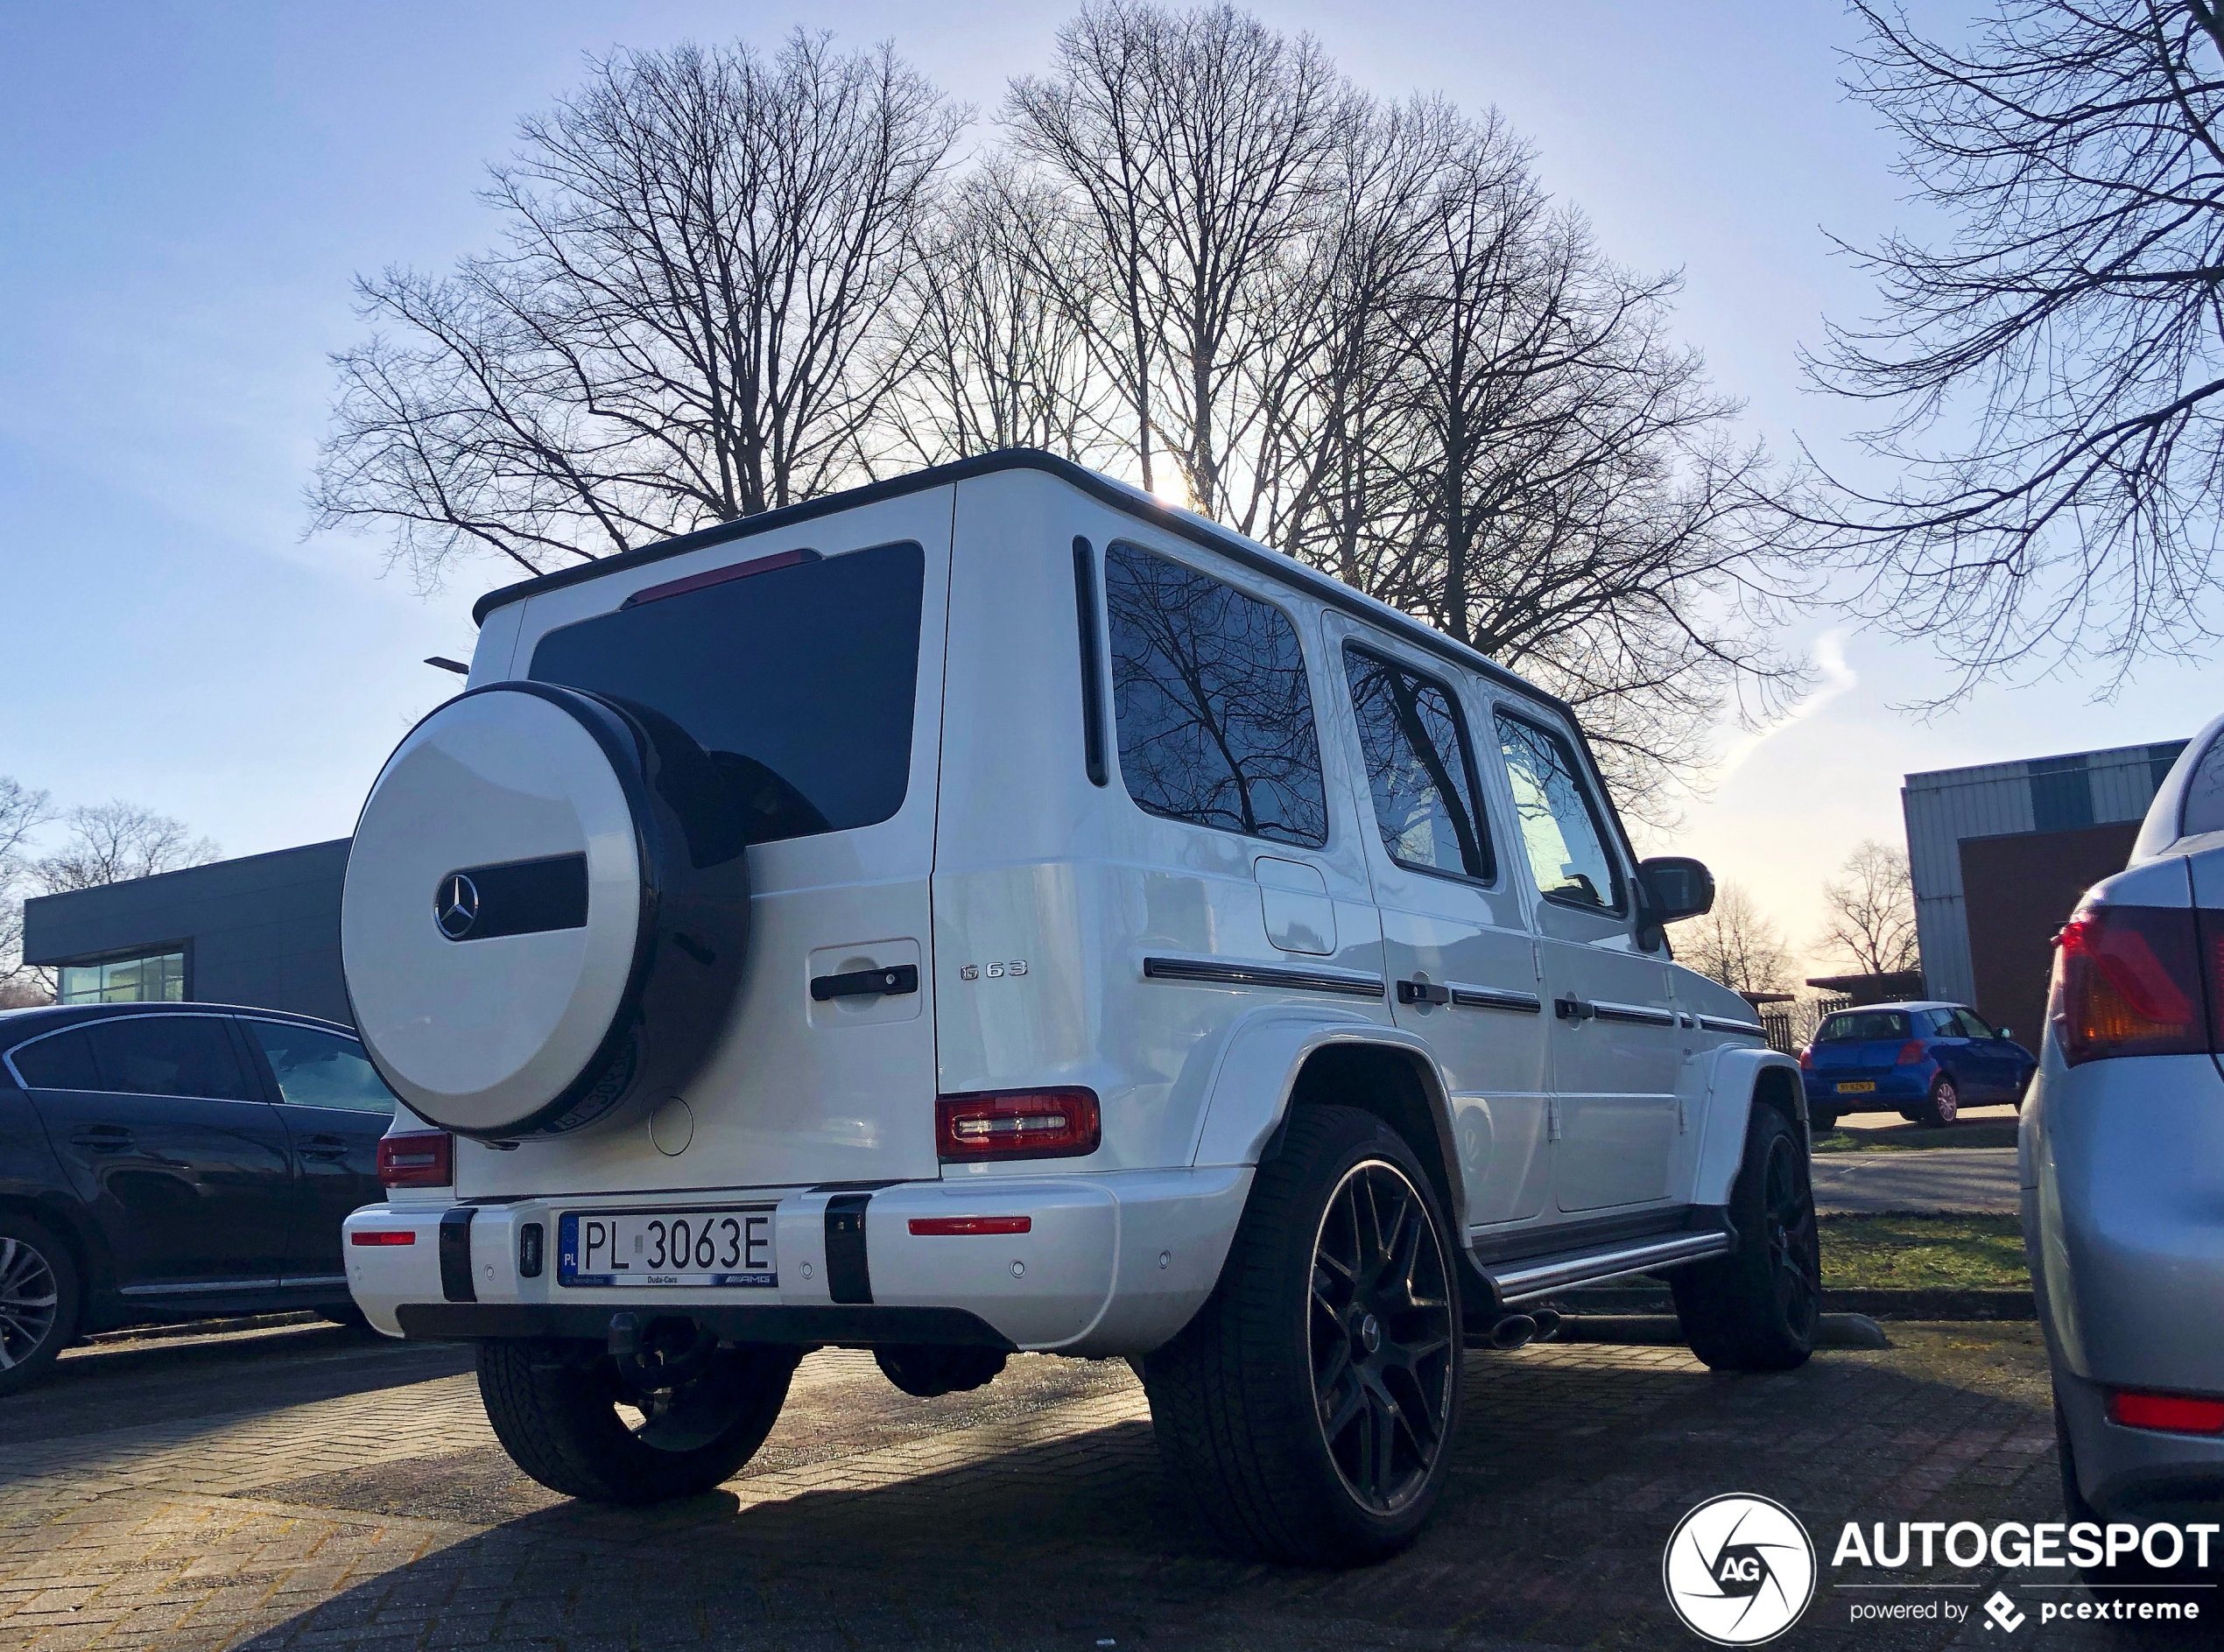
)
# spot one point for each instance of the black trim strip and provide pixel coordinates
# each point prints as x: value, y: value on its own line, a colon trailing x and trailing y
x: 852, y: 1326
x: 849, y: 1277
x: 1225, y: 974
x: 456, y: 1254
x: 1092, y: 664
x: 1496, y: 998
x: 1637, y: 1013
x: 1717, y: 1024
x: 867, y: 983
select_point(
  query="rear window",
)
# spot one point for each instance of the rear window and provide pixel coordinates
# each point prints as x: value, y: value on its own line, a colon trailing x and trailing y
x: 798, y: 683
x: 1857, y: 1024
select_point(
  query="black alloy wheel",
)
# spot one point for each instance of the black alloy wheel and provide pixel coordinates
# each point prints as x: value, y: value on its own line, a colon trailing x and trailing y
x: 1756, y: 1307
x: 1384, y: 1345
x: 1794, y: 1243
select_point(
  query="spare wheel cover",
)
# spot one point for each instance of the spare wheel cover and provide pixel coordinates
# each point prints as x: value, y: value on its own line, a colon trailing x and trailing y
x: 495, y: 1006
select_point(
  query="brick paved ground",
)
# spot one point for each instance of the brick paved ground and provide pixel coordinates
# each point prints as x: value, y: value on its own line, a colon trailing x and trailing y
x: 311, y: 1488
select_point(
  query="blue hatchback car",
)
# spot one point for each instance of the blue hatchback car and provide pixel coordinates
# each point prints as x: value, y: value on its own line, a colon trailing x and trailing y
x: 1926, y: 1061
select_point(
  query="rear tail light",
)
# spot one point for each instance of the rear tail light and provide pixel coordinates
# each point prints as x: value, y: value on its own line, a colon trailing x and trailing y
x: 2173, y: 1413
x: 2128, y: 982
x: 1017, y: 1124
x: 386, y: 1236
x: 1910, y: 1054
x: 1806, y: 1058
x: 417, y: 1158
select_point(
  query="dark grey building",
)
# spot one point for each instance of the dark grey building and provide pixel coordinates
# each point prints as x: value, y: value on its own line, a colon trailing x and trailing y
x: 261, y: 930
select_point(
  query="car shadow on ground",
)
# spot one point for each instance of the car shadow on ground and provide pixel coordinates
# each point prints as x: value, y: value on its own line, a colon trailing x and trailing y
x: 122, y: 1384
x: 1571, y: 1466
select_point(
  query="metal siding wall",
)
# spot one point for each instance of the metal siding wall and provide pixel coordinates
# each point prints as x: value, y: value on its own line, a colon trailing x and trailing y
x: 1988, y: 800
x: 263, y: 930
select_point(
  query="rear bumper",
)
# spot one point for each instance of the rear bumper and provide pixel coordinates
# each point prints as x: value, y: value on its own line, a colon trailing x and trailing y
x: 1902, y: 1087
x: 2127, y: 1472
x: 1111, y: 1264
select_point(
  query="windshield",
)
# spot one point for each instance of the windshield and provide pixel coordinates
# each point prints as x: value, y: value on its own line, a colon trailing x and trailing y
x: 798, y: 683
x: 1854, y: 1025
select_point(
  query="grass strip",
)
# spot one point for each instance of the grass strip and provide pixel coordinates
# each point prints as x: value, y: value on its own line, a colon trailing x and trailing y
x: 1923, y: 1253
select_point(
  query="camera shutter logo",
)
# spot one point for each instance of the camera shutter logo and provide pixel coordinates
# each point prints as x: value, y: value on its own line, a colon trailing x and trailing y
x: 1739, y: 1570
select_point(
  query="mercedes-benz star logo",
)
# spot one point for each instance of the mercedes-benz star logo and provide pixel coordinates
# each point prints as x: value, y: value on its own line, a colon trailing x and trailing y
x: 1739, y: 1570
x: 456, y: 907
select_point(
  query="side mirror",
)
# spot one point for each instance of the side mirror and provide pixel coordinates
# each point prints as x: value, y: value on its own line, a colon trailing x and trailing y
x: 1676, y: 887
x: 2004, y: 1034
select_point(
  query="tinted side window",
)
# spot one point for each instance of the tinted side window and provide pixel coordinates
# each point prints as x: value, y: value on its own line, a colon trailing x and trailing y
x: 168, y: 1055
x: 798, y: 683
x: 1215, y: 713
x: 2205, y: 792
x: 1974, y: 1025
x: 1560, y: 826
x: 61, y: 1062
x: 320, y: 1069
x: 1418, y: 767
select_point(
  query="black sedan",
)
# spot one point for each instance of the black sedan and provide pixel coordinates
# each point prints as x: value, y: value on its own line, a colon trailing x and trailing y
x: 170, y: 1161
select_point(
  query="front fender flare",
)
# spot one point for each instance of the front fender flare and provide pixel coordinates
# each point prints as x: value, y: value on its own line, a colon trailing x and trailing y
x: 1732, y: 1094
x: 1250, y: 1092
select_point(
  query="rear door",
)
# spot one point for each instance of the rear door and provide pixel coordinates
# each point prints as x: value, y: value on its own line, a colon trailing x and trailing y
x: 807, y: 662
x: 335, y: 1109
x: 1615, y: 1050
x: 165, y: 1136
x: 1455, y: 939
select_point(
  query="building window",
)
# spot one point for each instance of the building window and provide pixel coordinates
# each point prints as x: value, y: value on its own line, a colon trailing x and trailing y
x: 160, y: 978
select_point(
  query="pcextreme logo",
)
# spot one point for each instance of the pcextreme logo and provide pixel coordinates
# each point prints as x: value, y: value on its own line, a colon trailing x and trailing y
x: 1739, y: 1570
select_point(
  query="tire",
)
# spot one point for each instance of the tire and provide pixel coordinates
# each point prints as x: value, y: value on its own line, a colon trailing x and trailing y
x: 38, y: 1301
x: 1316, y: 1311
x: 1942, y: 1106
x: 1913, y: 1115
x: 1819, y: 1119
x: 1755, y: 1309
x: 553, y: 1406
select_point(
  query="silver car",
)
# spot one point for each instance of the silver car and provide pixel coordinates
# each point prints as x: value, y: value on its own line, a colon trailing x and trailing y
x: 2122, y: 1162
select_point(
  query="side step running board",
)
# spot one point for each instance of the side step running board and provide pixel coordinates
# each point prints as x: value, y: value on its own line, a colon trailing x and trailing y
x: 1526, y: 1281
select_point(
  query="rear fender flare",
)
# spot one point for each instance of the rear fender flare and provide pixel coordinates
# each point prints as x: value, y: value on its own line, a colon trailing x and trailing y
x: 1732, y: 1094
x: 1265, y: 1053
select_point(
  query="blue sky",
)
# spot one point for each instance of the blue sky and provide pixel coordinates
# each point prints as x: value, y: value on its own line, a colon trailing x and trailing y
x: 186, y: 191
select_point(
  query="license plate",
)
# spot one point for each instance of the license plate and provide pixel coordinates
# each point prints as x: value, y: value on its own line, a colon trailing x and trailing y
x: 1859, y: 1086
x: 720, y: 1248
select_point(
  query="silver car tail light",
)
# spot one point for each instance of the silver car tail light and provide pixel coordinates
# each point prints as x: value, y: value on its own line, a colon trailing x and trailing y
x: 2129, y: 980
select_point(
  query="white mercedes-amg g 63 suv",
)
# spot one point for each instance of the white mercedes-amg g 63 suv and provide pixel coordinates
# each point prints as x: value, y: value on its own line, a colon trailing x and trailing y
x: 988, y: 910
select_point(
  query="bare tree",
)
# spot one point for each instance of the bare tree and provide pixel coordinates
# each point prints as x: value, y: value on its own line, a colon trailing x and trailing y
x: 22, y: 812
x: 1199, y: 148
x: 2054, y: 369
x: 1735, y: 944
x: 1872, y: 911
x: 112, y: 842
x: 1000, y: 351
x: 693, y: 318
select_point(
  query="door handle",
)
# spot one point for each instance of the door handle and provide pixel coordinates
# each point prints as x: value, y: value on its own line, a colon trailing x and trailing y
x: 324, y: 1147
x: 866, y: 983
x: 1423, y: 991
x: 103, y: 1138
x: 1573, y: 1008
